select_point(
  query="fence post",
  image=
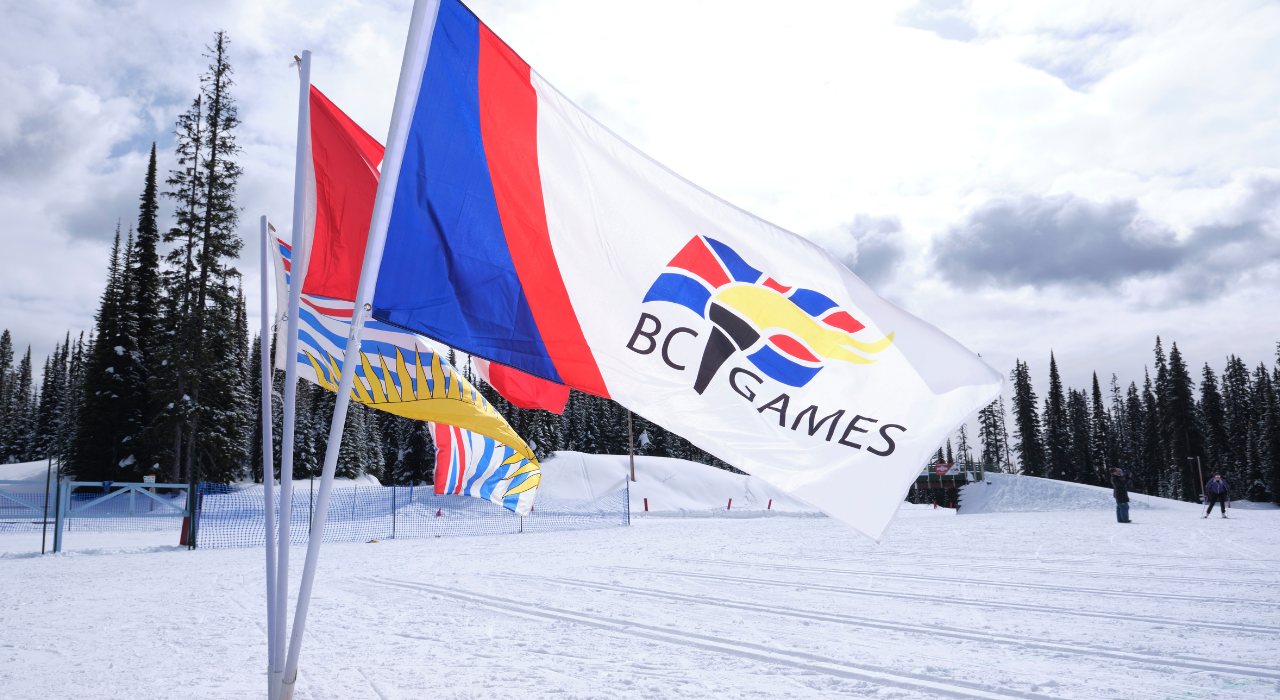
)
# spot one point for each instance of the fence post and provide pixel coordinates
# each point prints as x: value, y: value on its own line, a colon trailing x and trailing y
x: 393, y: 511
x: 57, y: 519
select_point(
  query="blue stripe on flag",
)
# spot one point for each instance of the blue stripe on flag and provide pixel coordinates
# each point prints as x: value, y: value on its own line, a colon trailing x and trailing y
x: 780, y: 368
x: 679, y: 289
x: 811, y: 302
x: 447, y: 271
x: 736, y: 266
x: 482, y: 464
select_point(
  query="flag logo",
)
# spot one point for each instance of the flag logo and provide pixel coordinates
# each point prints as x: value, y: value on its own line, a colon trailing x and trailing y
x: 788, y: 332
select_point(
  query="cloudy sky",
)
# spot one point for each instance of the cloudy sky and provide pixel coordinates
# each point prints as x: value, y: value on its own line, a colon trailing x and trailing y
x: 1076, y: 176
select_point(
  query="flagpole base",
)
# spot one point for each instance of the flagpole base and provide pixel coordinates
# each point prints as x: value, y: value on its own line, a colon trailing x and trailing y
x: 286, y: 688
x: 277, y: 681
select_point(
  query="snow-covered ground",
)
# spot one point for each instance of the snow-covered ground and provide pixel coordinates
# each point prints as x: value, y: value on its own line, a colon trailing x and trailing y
x: 1057, y: 603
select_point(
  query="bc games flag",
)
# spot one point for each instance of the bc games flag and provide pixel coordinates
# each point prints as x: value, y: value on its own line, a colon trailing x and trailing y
x: 523, y: 231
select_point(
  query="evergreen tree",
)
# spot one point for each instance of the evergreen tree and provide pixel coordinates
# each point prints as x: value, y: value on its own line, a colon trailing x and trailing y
x: 962, y: 445
x: 1212, y: 420
x: 1080, y: 443
x: 219, y: 243
x: 169, y: 384
x: 989, y: 436
x: 1181, y: 434
x: 1029, y: 446
x: 1103, y: 442
x: 22, y: 435
x: 1264, y: 438
x: 1056, y: 440
x: 145, y: 308
x: 1120, y: 452
x: 195, y: 390
x: 1152, y: 455
x: 7, y: 390
x: 1238, y: 418
x: 1170, y: 485
x: 98, y: 447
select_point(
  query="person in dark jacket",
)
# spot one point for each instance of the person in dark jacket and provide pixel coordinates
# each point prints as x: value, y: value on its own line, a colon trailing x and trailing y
x: 1120, y: 488
x: 1217, y: 491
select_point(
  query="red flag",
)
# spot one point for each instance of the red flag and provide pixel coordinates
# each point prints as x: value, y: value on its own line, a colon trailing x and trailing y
x: 346, y: 160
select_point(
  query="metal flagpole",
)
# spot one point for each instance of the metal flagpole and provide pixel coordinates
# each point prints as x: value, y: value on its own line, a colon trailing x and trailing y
x: 297, y: 273
x: 415, y: 57
x: 268, y: 462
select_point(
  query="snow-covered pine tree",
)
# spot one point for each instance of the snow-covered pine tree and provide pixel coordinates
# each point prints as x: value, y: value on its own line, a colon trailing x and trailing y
x: 52, y: 398
x: 1102, y: 443
x: 418, y: 464
x: 1264, y: 441
x: 1271, y: 431
x: 1181, y: 433
x: 219, y: 244
x: 22, y: 422
x: 1029, y: 447
x: 989, y: 437
x: 1152, y: 456
x: 6, y: 389
x: 145, y: 309
x: 1238, y: 415
x: 98, y: 447
x: 1121, y: 451
x: 1212, y: 420
x: 1079, y: 457
x: 1056, y: 440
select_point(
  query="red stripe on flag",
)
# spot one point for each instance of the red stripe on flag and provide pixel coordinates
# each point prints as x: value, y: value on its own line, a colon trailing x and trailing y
x: 509, y: 129
x: 336, y: 313
x: 440, y: 435
x: 695, y: 258
x: 461, y: 449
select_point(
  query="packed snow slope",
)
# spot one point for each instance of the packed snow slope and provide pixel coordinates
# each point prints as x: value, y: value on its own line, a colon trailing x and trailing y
x: 1014, y: 493
x: 666, y: 487
x: 1002, y: 606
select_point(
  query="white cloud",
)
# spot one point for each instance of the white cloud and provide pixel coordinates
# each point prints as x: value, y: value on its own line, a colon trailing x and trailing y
x: 809, y: 118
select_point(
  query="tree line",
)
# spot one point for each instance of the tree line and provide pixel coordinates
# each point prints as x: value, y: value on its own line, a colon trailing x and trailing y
x: 1171, y: 434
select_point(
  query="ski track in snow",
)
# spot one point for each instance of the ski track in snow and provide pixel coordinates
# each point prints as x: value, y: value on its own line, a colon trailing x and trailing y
x: 1008, y: 605
x: 982, y: 582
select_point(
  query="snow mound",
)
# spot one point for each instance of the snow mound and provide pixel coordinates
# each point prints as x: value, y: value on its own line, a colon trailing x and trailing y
x: 26, y: 471
x: 1014, y: 493
x: 672, y: 487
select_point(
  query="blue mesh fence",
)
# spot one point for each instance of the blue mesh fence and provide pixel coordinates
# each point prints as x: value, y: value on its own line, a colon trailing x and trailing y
x: 233, y: 517
x: 17, y: 514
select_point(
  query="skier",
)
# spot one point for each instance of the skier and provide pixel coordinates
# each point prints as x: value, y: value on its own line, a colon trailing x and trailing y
x: 1120, y: 488
x: 1217, y: 491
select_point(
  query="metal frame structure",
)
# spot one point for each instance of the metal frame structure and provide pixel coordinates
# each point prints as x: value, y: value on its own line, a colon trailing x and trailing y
x: 66, y: 507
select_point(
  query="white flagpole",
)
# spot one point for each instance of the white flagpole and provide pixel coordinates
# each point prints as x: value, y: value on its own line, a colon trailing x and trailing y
x: 415, y: 57
x: 297, y: 271
x: 268, y: 468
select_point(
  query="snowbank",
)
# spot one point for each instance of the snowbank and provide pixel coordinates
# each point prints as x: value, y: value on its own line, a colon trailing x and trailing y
x: 673, y: 487
x: 1013, y: 493
x: 26, y: 471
